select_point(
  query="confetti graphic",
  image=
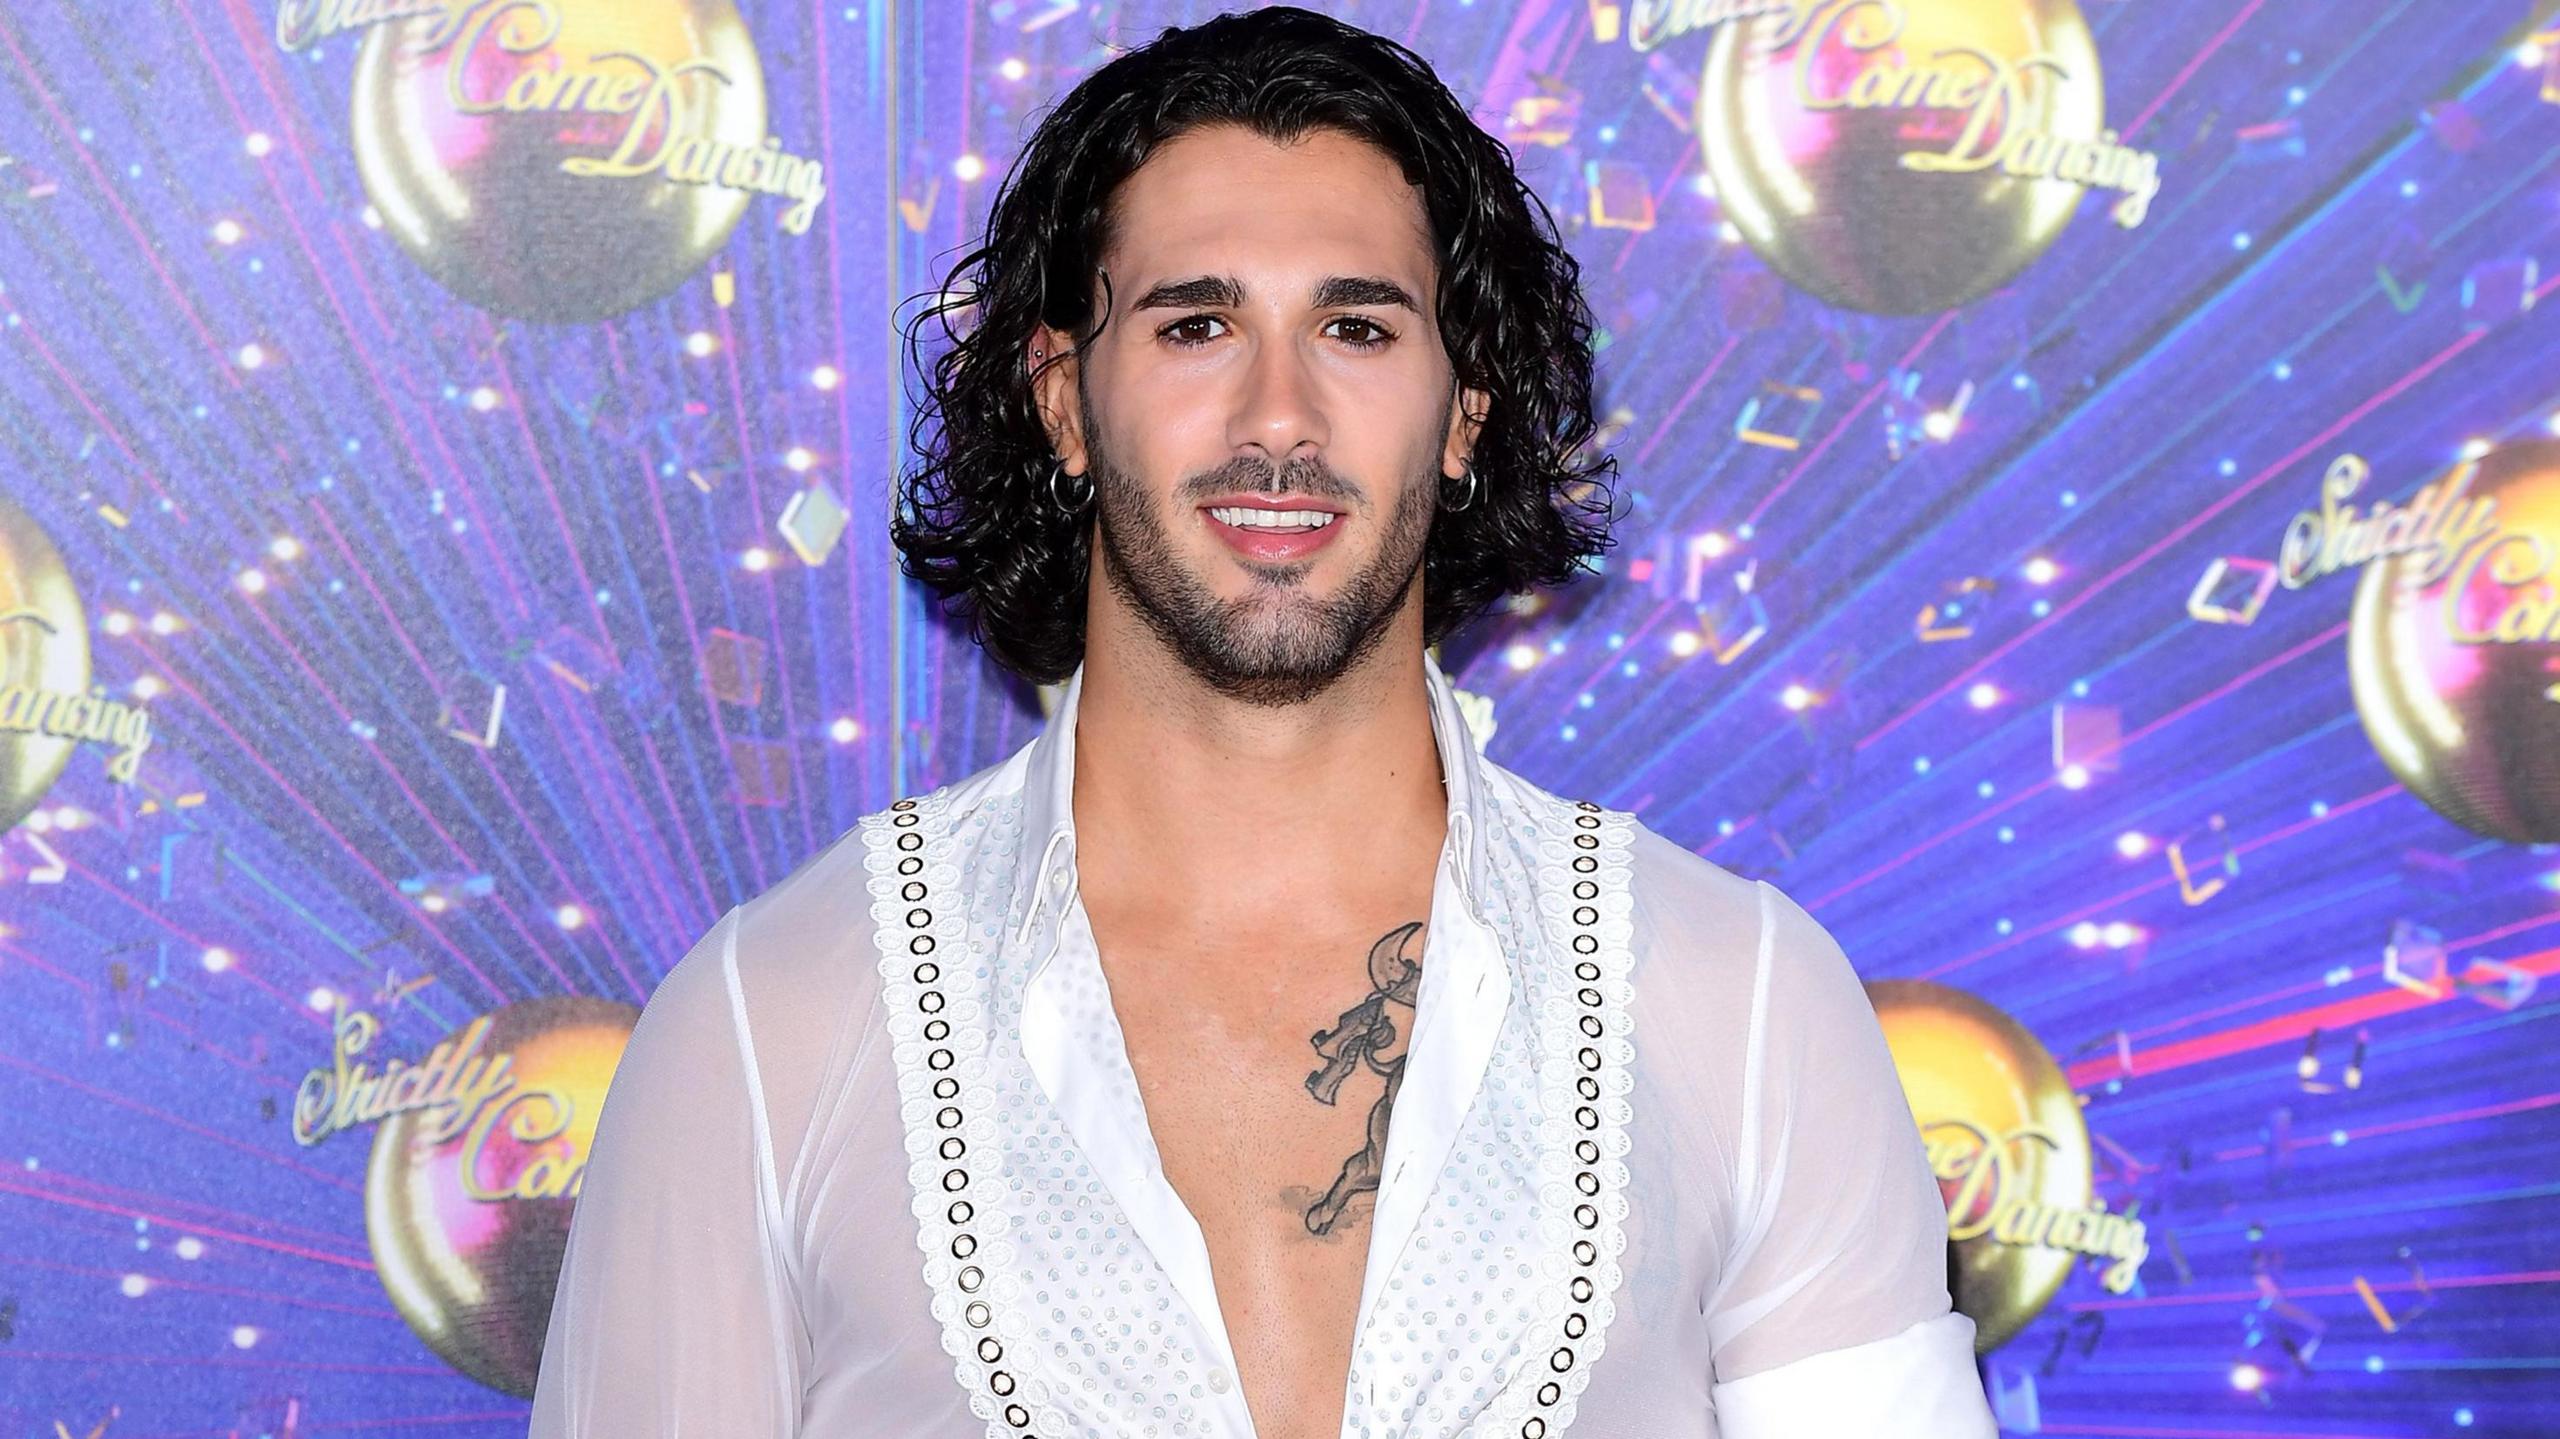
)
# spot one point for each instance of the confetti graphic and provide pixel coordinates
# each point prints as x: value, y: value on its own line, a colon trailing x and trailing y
x: 437, y: 580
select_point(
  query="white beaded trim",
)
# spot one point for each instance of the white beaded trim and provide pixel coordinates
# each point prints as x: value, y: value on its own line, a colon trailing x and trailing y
x: 941, y: 1078
x: 1586, y: 1031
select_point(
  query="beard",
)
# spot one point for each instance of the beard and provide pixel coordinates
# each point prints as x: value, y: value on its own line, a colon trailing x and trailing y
x: 1275, y: 645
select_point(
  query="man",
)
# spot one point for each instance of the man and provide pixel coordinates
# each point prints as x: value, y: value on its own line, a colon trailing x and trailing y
x: 1247, y: 1056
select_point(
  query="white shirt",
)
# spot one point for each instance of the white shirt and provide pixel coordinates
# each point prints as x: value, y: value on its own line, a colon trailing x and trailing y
x: 875, y: 1161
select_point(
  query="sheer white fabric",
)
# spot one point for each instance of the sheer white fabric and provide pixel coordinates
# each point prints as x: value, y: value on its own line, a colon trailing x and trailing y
x: 745, y: 1258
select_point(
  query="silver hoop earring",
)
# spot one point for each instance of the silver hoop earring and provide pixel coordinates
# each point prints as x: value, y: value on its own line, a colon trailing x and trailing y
x: 1469, y: 480
x: 1068, y: 508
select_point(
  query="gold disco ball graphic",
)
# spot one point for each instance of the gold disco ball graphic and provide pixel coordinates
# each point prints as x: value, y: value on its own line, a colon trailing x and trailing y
x: 1906, y: 156
x: 563, y: 160
x: 467, y: 1206
x: 2453, y: 649
x: 2011, y: 1153
x: 44, y: 658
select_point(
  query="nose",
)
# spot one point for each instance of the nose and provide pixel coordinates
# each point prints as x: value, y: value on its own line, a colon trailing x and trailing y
x: 1279, y: 406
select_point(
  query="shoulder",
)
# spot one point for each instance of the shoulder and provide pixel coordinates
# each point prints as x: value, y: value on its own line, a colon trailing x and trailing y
x: 1689, y: 895
x: 1702, y: 933
x: 814, y: 926
x: 802, y: 946
x: 1705, y: 929
x: 788, y: 980
x: 1688, y: 910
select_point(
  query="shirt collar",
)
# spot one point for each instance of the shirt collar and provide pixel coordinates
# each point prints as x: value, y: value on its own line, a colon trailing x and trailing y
x: 1048, y: 816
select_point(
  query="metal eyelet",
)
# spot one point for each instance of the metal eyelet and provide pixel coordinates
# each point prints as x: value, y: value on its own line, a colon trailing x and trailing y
x: 1586, y: 1180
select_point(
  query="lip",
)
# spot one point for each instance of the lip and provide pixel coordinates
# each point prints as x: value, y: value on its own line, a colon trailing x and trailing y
x: 1271, y: 546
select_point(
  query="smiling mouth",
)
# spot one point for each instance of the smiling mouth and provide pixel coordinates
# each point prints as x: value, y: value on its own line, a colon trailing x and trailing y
x: 1268, y: 535
x: 1246, y: 517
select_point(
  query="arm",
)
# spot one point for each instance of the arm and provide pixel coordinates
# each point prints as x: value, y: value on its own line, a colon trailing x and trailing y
x: 1832, y: 1319
x: 675, y: 1316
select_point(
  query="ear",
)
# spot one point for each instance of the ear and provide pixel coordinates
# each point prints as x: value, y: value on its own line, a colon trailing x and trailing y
x: 1467, y: 411
x: 1051, y: 360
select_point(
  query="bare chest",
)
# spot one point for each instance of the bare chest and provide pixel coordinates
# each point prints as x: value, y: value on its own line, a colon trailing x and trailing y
x: 1269, y: 1078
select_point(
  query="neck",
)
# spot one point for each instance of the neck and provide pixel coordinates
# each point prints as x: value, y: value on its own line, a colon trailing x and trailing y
x: 1184, y: 795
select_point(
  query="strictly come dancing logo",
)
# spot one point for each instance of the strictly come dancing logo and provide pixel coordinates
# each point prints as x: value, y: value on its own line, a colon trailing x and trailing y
x: 2006, y: 1140
x: 559, y: 160
x: 478, y: 1154
x: 1901, y: 156
x: 48, y: 707
x: 2453, y: 639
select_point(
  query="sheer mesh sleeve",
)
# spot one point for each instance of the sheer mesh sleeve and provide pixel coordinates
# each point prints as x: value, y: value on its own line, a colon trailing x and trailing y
x: 674, y: 1317
x: 1832, y: 1315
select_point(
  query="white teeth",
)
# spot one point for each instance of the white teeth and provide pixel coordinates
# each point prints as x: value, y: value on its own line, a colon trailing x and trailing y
x: 1250, y: 519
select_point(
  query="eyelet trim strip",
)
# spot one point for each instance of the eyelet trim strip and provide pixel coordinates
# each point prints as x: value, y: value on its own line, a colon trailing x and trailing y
x: 1588, y: 1036
x: 915, y: 912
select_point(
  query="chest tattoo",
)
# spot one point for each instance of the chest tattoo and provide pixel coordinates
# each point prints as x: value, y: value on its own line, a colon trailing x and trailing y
x: 1361, y: 1040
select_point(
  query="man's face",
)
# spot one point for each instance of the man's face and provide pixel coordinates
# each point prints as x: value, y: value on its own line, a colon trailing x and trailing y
x: 1268, y: 412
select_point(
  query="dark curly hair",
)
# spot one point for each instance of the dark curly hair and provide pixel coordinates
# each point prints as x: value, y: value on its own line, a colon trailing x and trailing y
x: 974, y: 519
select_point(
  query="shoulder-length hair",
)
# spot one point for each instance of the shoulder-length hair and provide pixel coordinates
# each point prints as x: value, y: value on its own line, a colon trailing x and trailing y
x: 975, y: 521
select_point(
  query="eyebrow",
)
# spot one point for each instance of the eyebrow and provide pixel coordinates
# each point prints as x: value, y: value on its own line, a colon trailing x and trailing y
x: 1226, y: 292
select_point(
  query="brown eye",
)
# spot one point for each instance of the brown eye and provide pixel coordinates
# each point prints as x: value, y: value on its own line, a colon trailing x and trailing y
x: 1371, y: 335
x: 1186, y: 333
